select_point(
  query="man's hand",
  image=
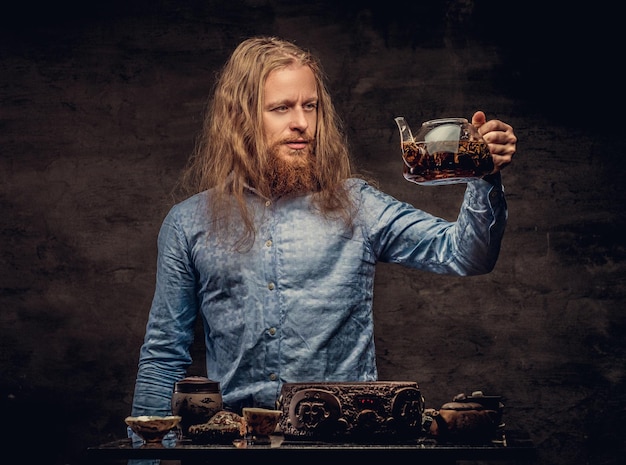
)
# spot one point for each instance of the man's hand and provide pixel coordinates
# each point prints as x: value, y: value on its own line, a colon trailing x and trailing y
x: 500, y: 138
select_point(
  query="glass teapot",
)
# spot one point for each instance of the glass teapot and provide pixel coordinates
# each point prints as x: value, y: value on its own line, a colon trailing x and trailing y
x: 444, y: 151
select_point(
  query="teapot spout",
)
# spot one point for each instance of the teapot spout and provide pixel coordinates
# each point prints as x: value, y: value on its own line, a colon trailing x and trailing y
x: 405, y: 132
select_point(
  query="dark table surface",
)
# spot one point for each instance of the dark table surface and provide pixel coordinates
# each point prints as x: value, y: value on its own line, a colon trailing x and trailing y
x: 512, y: 446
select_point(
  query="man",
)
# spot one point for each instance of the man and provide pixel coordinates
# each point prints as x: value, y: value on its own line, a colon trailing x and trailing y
x: 276, y: 248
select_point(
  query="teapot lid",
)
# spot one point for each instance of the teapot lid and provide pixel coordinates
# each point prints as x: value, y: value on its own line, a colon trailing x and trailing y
x: 197, y: 384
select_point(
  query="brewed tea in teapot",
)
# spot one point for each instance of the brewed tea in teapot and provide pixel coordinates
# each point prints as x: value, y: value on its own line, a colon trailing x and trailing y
x: 444, y: 151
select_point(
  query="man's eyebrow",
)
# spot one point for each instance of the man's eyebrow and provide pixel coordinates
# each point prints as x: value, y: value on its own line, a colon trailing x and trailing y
x: 289, y: 102
x: 284, y: 101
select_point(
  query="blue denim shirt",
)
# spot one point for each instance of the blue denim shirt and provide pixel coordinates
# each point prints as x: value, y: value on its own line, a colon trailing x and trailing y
x: 298, y: 305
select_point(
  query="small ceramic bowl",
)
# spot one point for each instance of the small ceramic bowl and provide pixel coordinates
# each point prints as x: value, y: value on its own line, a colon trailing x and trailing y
x: 260, y: 421
x: 152, y: 429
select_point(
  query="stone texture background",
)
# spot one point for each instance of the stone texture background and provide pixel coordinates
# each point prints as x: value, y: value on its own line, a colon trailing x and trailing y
x: 100, y: 103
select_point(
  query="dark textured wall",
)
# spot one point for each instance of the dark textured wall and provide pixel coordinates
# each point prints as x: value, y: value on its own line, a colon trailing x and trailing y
x: 100, y: 104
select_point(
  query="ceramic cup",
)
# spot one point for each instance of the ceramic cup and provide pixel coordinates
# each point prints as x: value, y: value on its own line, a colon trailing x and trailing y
x: 260, y: 423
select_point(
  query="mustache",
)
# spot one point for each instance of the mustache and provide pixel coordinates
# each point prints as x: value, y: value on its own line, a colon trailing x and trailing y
x: 309, y: 148
x: 298, y: 140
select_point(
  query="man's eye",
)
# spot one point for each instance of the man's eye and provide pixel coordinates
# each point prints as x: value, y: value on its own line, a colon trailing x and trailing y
x: 311, y: 106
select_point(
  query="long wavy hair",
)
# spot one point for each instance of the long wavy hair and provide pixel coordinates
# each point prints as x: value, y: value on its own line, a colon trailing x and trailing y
x: 231, y: 152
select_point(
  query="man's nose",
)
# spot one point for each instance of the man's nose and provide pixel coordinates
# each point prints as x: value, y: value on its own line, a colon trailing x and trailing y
x: 298, y: 120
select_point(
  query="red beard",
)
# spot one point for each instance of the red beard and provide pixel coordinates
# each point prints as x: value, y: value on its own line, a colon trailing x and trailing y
x: 291, y: 174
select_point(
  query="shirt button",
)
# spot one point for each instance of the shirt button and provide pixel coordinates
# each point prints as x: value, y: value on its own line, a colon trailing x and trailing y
x: 493, y: 194
x: 272, y: 331
x: 268, y: 203
x: 273, y: 377
x: 270, y: 286
x: 268, y: 243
